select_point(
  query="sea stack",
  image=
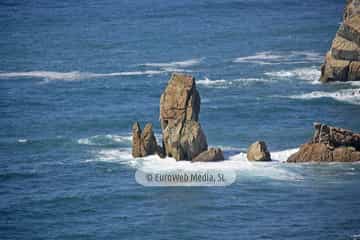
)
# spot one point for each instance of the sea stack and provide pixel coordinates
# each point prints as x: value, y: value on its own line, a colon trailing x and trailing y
x: 183, y: 137
x: 329, y: 144
x: 144, y: 142
x: 342, y: 62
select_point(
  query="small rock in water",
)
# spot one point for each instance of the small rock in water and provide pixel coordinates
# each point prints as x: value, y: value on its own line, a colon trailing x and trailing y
x: 211, y: 155
x: 258, y: 152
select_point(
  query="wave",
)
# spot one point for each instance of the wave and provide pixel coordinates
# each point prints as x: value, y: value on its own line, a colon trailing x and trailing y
x: 273, y: 58
x: 222, y: 83
x: 74, y: 75
x: 100, y: 140
x: 186, y: 63
x: 345, y: 95
x: 307, y: 74
x: 237, y: 162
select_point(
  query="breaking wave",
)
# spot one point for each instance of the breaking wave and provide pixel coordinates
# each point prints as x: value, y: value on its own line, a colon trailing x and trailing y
x: 307, y: 74
x: 74, y: 75
x: 345, y: 95
x: 237, y: 162
x: 100, y: 140
x: 178, y: 64
x: 222, y: 83
x: 273, y: 58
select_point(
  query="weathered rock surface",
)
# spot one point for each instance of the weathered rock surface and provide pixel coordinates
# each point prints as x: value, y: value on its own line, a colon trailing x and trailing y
x: 258, y: 152
x: 342, y: 61
x: 211, y: 155
x: 183, y: 137
x: 144, y: 142
x: 136, y: 140
x: 329, y: 144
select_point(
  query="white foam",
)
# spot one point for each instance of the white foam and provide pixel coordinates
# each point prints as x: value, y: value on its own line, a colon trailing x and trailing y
x: 208, y: 82
x: 222, y: 83
x: 238, y: 163
x: 308, y: 74
x: 283, y: 155
x: 273, y: 57
x: 344, y: 95
x: 22, y: 140
x: 103, y: 139
x: 177, y: 64
x: 74, y: 75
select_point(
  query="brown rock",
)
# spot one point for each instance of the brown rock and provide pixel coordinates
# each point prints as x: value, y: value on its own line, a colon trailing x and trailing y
x: 148, y: 140
x: 351, y: 9
x: 334, y: 69
x: 329, y: 144
x: 143, y: 143
x: 354, y: 71
x: 258, y: 152
x: 136, y: 140
x: 211, y: 155
x: 342, y: 63
x: 311, y: 152
x: 183, y: 137
x: 350, y: 29
x: 344, y: 49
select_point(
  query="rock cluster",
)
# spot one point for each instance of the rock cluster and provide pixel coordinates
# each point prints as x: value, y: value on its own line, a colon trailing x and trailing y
x: 183, y: 137
x: 329, y: 144
x: 258, y: 152
x: 342, y: 62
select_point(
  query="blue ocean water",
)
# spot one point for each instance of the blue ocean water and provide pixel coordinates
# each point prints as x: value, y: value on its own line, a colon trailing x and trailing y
x: 75, y: 75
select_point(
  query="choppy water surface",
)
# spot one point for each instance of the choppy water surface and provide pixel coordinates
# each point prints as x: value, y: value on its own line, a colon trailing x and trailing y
x: 75, y: 75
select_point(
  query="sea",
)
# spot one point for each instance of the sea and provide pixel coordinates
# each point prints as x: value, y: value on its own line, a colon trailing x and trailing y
x: 75, y: 76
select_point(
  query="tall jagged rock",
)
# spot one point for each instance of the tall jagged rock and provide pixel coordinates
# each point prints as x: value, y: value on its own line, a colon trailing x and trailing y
x: 183, y: 137
x: 144, y: 142
x: 343, y: 60
x: 136, y: 140
x: 329, y: 144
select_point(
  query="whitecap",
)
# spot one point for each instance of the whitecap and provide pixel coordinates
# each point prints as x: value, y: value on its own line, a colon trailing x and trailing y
x: 276, y: 57
x: 308, y: 74
x: 283, y: 155
x: 222, y: 83
x: 74, y: 75
x: 345, y: 95
x: 208, y: 82
x: 99, y: 140
x: 22, y: 140
x: 175, y: 64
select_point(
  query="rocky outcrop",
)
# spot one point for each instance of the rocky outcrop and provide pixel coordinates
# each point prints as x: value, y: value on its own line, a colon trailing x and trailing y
x: 183, y: 137
x: 329, y: 144
x: 258, y: 152
x: 343, y: 60
x: 211, y: 155
x: 144, y: 142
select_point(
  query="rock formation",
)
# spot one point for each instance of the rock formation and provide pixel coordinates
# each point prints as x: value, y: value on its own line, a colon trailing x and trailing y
x: 342, y: 62
x: 144, y: 142
x: 211, y: 155
x: 183, y: 137
x: 329, y: 144
x: 258, y: 152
